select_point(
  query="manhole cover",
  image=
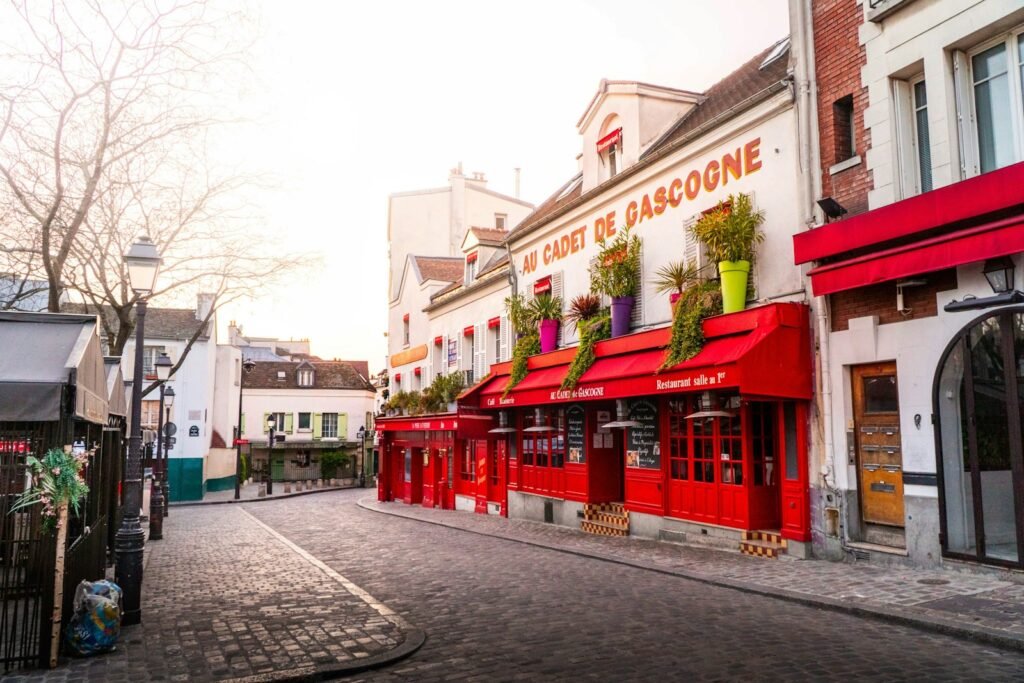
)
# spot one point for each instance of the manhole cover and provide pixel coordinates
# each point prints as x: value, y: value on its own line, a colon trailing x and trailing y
x: 933, y: 582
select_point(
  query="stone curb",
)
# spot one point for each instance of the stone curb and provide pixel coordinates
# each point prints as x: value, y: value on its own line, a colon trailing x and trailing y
x: 906, y: 616
x: 282, y: 496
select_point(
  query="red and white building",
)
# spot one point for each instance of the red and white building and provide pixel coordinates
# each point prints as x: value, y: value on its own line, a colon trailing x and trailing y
x: 711, y: 448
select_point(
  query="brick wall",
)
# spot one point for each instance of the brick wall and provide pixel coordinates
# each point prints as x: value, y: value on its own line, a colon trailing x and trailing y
x: 839, y: 58
x: 880, y: 300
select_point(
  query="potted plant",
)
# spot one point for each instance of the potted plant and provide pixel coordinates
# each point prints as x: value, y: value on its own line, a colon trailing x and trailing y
x: 583, y: 308
x: 593, y: 324
x: 730, y: 233
x: 616, y: 274
x: 674, y: 277
x: 547, y: 311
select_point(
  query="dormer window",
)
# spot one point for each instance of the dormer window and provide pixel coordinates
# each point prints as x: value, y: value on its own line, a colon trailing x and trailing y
x: 305, y: 377
x: 609, y: 148
x: 500, y: 221
x: 471, y: 267
x: 281, y: 376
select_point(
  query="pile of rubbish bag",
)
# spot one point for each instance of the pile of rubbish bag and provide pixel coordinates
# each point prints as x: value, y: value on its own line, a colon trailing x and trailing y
x: 96, y: 622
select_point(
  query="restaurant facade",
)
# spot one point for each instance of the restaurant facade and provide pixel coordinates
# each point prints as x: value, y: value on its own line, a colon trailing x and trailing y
x: 703, y: 450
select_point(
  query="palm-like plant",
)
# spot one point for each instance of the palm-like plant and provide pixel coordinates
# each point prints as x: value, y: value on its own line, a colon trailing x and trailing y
x: 675, y: 277
x: 583, y: 308
x: 546, y: 307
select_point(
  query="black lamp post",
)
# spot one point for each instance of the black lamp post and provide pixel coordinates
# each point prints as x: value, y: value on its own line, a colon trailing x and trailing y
x: 163, y: 367
x: 247, y: 366
x: 143, y: 262
x: 271, y: 426
x: 164, y: 477
x: 362, y: 434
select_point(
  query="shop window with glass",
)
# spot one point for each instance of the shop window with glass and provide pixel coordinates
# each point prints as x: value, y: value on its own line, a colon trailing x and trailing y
x: 763, y: 443
x: 704, y: 450
x: 995, y: 82
x: 979, y: 393
x: 679, y: 439
x: 543, y: 453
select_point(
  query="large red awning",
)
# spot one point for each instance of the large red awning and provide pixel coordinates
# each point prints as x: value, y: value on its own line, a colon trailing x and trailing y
x: 763, y: 351
x: 999, y: 238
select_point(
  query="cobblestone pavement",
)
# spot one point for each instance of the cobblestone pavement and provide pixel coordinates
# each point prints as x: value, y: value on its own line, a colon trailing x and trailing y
x: 251, y: 492
x: 991, y: 602
x: 226, y: 598
x: 500, y: 610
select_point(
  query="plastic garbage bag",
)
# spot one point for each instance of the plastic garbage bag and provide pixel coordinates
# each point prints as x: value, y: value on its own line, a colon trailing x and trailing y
x: 96, y: 622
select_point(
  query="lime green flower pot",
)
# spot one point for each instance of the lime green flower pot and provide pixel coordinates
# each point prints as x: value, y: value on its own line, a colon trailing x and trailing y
x: 734, y: 276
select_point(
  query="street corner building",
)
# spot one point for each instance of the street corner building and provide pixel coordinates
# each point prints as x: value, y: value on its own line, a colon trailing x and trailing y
x: 715, y: 447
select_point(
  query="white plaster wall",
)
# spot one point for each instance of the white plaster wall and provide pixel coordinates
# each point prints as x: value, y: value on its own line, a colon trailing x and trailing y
x: 919, y: 37
x: 225, y: 391
x: 775, y: 191
x: 256, y: 402
x: 418, y: 223
x: 481, y: 207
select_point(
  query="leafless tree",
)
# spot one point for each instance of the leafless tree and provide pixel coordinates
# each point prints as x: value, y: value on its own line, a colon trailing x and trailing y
x: 96, y: 85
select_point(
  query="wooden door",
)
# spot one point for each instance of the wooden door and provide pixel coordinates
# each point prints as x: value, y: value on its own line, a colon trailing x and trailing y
x: 876, y: 419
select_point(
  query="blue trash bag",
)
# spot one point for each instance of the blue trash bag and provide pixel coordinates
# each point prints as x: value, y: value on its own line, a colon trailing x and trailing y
x: 96, y: 622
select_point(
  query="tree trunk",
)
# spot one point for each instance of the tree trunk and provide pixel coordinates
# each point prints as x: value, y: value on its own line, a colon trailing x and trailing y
x: 58, y: 583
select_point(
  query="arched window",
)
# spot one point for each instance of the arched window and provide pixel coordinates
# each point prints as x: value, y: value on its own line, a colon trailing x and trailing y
x: 609, y: 146
x: 979, y: 395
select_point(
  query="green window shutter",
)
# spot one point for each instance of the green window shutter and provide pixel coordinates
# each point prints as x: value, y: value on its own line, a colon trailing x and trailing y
x: 241, y: 427
x: 266, y: 416
x: 288, y: 423
x: 343, y: 426
x: 318, y: 425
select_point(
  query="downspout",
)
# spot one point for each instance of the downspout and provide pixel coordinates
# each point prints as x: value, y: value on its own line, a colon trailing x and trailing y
x: 807, y: 89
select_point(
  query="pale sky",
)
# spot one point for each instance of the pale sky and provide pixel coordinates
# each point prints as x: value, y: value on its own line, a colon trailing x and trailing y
x: 352, y: 102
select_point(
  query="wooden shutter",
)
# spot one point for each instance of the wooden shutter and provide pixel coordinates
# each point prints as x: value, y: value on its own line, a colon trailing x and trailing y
x: 318, y: 425
x: 504, y: 340
x: 289, y: 423
x: 343, y: 426
x: 266, y: 416
x: 636, y: 320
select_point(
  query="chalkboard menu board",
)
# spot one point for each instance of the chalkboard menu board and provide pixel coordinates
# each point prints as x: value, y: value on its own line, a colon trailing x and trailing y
x: 643, y: 449
x: 574, y: 434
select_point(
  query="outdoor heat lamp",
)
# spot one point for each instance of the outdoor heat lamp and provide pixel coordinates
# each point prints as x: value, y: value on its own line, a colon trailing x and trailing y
x: 707, y: 404
x: 621, y: 416
x: 999, y: 273
x: 143, y: 261
x: 503, y: 427
x: 539, y: 420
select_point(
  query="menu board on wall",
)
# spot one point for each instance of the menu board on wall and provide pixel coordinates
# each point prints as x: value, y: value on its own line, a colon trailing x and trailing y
x: 574, y: 434
x: 643, y: 449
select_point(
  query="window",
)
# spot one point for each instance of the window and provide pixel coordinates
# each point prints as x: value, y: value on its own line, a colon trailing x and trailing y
x: 500, y: 221
x: 545, y: 449
x: 305, y: 422
x: 149, y: 356
x: 922, y: 143
x: 471, y: 270
x: 466, y: 462
x: 843, y: 129
x: 995, y: 83
x: 279, y: 421
x: 150, y: 415
x: 306, y: 377
x: 764, y: 443
x: 405, y: 330
x: 678, y: 438
x: 330, y: 426
x: 612, y: 162
x: 495, y: 333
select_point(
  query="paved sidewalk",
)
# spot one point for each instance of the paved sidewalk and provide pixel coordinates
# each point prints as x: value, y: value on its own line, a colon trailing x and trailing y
x: 249, y: 493
x: 980, y: 606
x: 226, y: 597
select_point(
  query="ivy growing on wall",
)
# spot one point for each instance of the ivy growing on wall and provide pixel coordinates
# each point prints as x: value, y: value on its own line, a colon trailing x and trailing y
x: 696, y: 303
x: 526, y: 346
x: 591, y: 332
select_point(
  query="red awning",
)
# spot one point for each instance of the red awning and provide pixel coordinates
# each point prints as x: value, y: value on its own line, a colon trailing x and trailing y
x: 418, y: 371
x: 467, y: 331
x: 763, y: 351
x: 398, y: 377
x: 609, y: 140
x: 998, y: 238
x: 494, y: 322
x: 471, y: 258
x: 438, y: 341
x: 405, y: 318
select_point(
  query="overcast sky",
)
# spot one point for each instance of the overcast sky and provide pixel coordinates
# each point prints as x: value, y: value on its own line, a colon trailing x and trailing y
x: 352, y: 102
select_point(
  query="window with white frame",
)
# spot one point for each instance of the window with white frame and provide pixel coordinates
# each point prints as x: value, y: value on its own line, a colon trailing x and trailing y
x: 471, y: 268
x: 912, y: 135
x: 150, y: 415
x: 278, y: 421
x: 149, y: 356
x: 330, y: 426
x: 994, y: 82
x: 405, y: 330
x: 922, y: 140
x: 494, y: 332
x: 306, y: 377
x: 500, y: 220
x: 305, y: 422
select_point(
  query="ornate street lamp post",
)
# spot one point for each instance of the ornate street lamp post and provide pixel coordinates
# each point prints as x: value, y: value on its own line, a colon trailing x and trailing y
x: 143, y: 262
x: 362, y: 434
x: 271, y: 426
x: 163, y: 367
x: 247, y: 366
x: 165, y: 478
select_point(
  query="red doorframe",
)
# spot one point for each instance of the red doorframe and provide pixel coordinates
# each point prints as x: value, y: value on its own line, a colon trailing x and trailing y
x: 496, y: 458
x: 480, y: 448
x: 796, y: 513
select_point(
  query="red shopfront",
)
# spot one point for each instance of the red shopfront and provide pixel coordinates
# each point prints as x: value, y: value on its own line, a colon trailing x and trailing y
x: 720, y: 439
x: 448, y: 461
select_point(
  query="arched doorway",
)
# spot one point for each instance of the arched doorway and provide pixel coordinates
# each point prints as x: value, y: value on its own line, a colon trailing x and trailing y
x: 979, y: 394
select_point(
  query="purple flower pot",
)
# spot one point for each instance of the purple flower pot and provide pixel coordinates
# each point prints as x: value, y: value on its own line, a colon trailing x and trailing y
x: 548, y: 335
x: 622, y: 311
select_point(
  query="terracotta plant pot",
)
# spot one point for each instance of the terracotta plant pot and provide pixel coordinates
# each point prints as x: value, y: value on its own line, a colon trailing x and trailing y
x: 548, y: 335
x: 734, y: 276
x: 622, y: 311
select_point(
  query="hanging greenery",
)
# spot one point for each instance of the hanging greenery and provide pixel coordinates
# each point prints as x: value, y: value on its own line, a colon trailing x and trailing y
x: 527, y: 339
x: 591, y: 331
x: 617, y: 270
x: 696, y: 303
x: 442, y: 391
x: 56, y: 481
x: 519, y: 315
x: 526, y: 346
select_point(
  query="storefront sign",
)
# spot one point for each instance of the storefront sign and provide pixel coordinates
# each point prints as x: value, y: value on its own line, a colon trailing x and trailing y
x: 643, y: 449
x: 743, y: 161
x: 453, y: 351
x: 574, y: 435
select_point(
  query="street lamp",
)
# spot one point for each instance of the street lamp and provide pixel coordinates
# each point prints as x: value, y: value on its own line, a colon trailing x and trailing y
x: 247, y: 366
x: 143, y: 263
x: 362, y: 434
x: 166, y: 480
x: 271, y: 425
x: 163, y: 367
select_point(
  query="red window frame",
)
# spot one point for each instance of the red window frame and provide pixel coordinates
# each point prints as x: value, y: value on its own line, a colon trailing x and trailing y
x: 542, y: 455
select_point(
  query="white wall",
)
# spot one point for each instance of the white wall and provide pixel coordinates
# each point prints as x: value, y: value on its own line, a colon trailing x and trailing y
x: 418, y: 223
x: 257, y: 402
x: 225, y: 392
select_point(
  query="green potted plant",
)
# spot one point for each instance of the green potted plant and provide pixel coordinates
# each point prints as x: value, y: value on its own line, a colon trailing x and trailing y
x: 616, y: 274
x: 583, y: 308
x: 673, y: 277
x: 593, y: 323
x: 547, y: 311
x: 730, y: 233
x: 527, y: 341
